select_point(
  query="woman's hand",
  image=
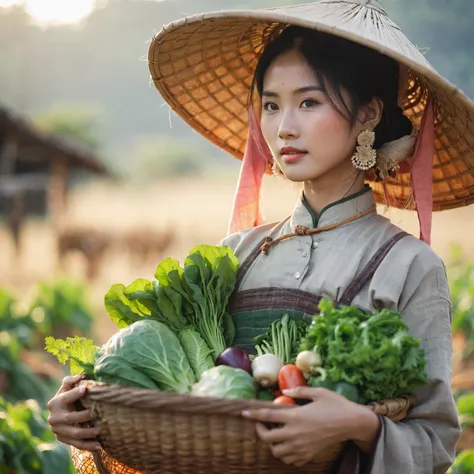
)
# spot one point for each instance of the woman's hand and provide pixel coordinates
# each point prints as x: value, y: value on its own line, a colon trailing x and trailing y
x: 64, y: 418
x: 313, y: 428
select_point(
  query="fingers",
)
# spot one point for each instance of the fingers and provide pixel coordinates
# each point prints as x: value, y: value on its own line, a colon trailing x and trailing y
x: 69, y: 383
x: 67, y: 395
x: 67, y: 399
x: 70, y: 418
x: 75, y: 417
x: 301, y: 462
x: 291, y: 459
x: 270, y: 436
x: 294, y: 460
x: 283, y: 450
x: 83, y: 445
x: 308, y: 393
x: 268, y: 415
x: 74, y: 432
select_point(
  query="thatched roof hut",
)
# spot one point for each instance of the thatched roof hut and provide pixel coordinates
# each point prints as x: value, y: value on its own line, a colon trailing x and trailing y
x: 36, y: 169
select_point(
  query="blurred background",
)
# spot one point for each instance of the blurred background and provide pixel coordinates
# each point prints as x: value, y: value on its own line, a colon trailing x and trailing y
x: 99, y: 181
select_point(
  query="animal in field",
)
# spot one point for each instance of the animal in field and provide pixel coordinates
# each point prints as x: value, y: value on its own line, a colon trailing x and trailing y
x: 147, y: 245
x: 91, y: 243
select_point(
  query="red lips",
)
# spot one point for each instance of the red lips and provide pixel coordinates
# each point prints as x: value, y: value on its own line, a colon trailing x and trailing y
x: 291, y: 155
x: 289, y: 149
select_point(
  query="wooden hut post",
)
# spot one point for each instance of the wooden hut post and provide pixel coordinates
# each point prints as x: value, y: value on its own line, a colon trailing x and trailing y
x: 8, y: 155
x: 14, y: 199
x: 57, y: 193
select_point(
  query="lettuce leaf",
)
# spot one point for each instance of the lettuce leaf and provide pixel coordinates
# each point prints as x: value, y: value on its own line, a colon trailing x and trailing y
x: 197, y: 351
x: 121, y: 309
x: 80, y: 352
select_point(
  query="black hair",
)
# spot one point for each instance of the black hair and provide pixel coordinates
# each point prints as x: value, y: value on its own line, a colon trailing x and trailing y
x: 342, y: 64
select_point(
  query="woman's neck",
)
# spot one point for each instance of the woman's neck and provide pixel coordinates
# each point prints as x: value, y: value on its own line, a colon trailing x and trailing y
x: 327, y: 189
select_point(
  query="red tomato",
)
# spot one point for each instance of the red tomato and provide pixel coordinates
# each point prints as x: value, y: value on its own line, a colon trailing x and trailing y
x: 284, y: 400
x: 290, y: 377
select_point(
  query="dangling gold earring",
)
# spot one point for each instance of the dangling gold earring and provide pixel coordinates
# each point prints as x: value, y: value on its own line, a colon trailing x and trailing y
x: 365, y: 157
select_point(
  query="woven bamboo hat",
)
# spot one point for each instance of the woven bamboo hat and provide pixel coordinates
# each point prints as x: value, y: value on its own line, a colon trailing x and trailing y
x: 203, y: 66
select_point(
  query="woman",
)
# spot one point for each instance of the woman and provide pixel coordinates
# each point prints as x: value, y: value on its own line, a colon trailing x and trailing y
x: 329, y: 111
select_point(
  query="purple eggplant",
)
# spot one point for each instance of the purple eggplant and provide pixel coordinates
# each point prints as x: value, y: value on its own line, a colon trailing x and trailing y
x: 236, y: 358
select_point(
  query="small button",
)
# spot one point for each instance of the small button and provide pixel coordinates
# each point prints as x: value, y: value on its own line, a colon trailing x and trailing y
x: 315, y: 245
x: 304, y: 254
x: 297, y: 275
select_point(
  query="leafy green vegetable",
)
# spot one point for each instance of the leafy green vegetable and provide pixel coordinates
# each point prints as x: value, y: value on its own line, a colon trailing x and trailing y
x: 464, y: 463
x: 229, y: 329
x: 283, y: 339
x: 113, y: 369
x: 348, y: 390
x: 22, y: 383
x: 80, y: 352
x: 142, y: 299
x: 374, y: 352
x: 465, y: 404
x: 197, y: 351
x: 266, y: 394
x: 56, y: 459
x: 196, y: 295
x: 27, y: 445
x: 153, y: 349
x: 122, y: 310
x: 465, y: 407
x: 142, y: 291
x: 61, y: 304
x: 20, y: 327
x: 461, y: 285
x: 226, y: 382
x: 210, y: 274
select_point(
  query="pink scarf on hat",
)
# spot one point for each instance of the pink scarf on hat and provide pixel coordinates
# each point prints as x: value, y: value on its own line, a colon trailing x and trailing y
x: 422, y: 172
x: 246, y: 211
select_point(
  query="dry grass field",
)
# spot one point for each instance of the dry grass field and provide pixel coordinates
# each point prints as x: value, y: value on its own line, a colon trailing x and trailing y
x: 198, y: 210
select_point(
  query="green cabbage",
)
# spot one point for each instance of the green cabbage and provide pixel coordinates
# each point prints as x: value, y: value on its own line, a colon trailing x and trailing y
x: 225, y: 382
x: 154, y: 350
x: 113, y: 369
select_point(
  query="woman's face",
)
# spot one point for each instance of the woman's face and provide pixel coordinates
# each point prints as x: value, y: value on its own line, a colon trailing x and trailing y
x: 307, y: 136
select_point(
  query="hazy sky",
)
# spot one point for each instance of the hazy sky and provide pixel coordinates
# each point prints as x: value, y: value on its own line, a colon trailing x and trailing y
x: 55, y: 11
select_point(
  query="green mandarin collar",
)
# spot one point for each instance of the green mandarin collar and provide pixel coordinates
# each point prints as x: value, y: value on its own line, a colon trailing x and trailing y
x: 335, y: 212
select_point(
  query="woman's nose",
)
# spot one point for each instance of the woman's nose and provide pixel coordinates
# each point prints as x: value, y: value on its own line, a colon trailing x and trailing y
x: 288, y: 127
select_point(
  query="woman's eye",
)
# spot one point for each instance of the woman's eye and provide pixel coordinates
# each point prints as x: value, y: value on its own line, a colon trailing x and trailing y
x: 308, y: 103
x: 270, y: 107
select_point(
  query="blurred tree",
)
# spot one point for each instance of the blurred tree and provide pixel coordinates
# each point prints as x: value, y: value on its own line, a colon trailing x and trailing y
x: 157, y: 157
x: 78, y: 122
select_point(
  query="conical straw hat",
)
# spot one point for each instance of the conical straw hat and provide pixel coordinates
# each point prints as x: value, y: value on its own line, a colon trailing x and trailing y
x: 203, y: 66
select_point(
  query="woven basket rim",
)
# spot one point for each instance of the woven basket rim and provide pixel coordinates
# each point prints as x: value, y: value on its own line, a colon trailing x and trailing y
x: 187, y: 39
x: 174, y: 402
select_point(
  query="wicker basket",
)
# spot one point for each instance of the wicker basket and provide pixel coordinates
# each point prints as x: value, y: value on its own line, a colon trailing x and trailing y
x: 145, y: 431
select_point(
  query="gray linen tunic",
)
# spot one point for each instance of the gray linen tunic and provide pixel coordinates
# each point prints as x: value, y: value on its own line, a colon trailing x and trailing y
x: 411, y: 279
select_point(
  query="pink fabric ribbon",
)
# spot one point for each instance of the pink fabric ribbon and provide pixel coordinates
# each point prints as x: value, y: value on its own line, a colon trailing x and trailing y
x: 422, y: 172
x: 246, y: 211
